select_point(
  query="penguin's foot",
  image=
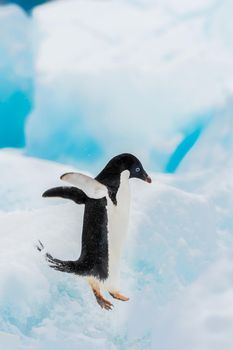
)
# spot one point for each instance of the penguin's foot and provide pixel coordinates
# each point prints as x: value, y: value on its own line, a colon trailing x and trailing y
x: 60, y: 265
x: 104, y: 303
x: 118, y: 296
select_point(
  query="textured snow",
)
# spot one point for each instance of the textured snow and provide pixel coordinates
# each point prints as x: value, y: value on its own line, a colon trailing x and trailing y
x: 176, y: 266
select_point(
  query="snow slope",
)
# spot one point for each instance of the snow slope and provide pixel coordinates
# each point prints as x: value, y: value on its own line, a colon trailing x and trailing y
x: 176, y: 268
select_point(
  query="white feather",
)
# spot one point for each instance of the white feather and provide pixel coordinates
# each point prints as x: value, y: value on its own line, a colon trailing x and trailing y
x: 91, y: 187
x: 118, y: 219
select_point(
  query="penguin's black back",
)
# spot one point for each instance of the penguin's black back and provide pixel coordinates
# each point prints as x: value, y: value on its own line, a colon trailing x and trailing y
x: 93, y: 260
x: 94, y: 253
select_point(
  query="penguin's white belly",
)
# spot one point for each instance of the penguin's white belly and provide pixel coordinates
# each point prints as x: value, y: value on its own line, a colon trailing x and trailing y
x: 118, y: 219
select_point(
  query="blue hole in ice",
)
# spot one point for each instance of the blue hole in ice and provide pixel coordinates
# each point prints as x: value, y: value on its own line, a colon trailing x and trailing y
x: 192, y: 135
x: 27, y: 5
x: 182, y: 149
x: 13, y: 114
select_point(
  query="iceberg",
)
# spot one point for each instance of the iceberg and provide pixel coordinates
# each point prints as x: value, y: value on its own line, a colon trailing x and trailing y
x: 103, y: 86
x: 80, y: 85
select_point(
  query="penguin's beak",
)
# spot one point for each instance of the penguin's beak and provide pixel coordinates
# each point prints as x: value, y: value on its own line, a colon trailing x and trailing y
x: 147, y: 178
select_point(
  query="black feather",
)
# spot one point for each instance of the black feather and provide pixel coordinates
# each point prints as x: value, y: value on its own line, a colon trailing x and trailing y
x: 71, y: 193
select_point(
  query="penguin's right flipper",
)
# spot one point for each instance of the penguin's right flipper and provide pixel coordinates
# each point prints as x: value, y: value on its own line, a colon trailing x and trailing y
x: 72, y: 193
x: 91, y: 187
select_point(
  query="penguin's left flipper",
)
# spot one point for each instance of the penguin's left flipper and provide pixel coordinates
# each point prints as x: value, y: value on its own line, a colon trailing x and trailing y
x: 71, y: 193
x: 91, y: 187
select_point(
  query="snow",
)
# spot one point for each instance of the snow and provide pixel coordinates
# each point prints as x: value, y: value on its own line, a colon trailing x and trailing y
x: 176, y: 266
x: 203, y: 318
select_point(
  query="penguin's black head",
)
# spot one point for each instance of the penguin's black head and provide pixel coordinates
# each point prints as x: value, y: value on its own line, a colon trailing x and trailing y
x: 127, y: 161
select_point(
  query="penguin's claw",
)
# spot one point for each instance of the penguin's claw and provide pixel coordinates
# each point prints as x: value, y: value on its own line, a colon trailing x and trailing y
x: 118, y: 296
x: 104, y: 304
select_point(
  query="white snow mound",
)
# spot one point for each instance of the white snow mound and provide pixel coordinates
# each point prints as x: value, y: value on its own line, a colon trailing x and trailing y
x: 177, y: 238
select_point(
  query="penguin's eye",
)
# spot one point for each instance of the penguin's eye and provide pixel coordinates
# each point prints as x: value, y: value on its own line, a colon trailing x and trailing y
x: 137, y: 170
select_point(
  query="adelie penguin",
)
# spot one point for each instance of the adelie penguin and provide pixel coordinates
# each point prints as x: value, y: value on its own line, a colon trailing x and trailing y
x: 105, y: 223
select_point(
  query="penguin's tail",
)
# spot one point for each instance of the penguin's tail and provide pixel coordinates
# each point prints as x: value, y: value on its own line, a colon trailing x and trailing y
x: 63, y: 266
x: 68, y: 266
x: 56, y: 264
x: 39, y: 246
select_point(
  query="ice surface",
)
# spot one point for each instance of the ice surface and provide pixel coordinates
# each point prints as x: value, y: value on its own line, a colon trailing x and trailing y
x: 176, y: 265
